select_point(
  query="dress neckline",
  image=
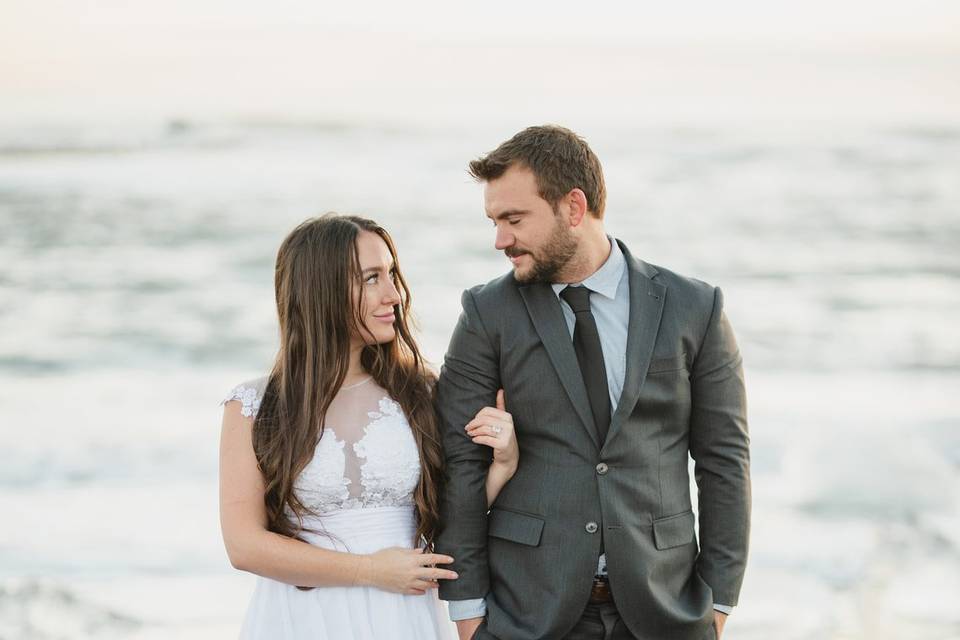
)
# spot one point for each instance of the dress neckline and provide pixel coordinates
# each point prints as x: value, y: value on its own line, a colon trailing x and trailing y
x: 356, y: 384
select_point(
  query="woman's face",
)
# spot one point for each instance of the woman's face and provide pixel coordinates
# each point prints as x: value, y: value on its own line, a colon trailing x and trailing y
x: 377, y: 293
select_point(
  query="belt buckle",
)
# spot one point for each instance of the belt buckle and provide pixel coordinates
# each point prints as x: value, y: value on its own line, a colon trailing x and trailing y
x: 600, y: 591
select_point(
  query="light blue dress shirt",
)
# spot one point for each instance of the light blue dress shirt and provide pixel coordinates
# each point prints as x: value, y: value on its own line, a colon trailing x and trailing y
x: 611, y: 311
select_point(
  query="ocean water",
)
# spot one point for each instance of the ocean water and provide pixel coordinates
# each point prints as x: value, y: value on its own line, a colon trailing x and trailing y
x: 136, y: 290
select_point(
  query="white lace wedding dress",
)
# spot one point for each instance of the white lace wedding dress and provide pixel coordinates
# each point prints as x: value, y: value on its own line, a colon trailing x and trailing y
x: 360, y: 482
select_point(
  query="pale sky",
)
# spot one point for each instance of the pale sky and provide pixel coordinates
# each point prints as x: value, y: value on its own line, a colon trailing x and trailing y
x: 430, y: 57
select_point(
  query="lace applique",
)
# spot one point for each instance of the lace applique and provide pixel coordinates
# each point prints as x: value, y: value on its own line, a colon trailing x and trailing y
x: 250, y: 395
x: 391, y: 467
x: 321, y: 485
x: 364, y: 458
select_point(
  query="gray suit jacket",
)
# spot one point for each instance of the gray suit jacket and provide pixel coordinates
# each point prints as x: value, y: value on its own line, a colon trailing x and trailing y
x: 533, y: 556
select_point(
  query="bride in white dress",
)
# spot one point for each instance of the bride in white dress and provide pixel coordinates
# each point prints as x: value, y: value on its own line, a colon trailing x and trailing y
x: 330, y: 466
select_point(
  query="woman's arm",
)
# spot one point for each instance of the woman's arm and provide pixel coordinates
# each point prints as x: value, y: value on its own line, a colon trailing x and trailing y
x: 252, y: 547
x: 497, y: 477
x: 493, y: 427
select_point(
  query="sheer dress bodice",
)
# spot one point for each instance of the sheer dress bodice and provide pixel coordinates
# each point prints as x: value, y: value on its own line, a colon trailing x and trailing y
x: 366, y: 456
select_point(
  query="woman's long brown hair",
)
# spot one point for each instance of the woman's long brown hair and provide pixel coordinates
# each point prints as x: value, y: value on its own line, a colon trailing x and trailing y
x: 317, y: 271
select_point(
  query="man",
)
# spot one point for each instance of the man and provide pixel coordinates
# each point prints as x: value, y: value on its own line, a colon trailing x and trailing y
x: 614, y: 371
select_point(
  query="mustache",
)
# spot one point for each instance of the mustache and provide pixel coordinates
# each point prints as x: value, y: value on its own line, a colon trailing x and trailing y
x: 511, y: 252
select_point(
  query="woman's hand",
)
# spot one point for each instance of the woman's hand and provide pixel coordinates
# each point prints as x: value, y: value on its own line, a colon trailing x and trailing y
x: 408, y: 571
x: 493, y: 427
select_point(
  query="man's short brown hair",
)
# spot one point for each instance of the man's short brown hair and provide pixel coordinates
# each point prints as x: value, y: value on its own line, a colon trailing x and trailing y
x: 559, y: 159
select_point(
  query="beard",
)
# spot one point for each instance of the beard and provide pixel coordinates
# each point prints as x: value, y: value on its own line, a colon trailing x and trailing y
x: 557, y: 252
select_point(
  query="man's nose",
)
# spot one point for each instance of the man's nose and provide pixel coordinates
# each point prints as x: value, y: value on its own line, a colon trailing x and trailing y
x: 504, y: 239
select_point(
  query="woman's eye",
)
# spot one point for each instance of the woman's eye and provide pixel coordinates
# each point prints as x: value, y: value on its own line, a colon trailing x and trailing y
x: 371, y: 279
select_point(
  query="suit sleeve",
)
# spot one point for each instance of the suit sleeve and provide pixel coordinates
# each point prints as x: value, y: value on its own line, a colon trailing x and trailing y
x: 469, y: 381
x: 719, y: 445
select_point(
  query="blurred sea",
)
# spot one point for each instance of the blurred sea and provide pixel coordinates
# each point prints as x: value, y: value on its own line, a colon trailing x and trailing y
x: 136, y: 290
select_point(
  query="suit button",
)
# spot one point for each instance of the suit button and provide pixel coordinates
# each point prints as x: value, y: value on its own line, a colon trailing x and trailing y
x: 602, y: 468
x: 591, y: 527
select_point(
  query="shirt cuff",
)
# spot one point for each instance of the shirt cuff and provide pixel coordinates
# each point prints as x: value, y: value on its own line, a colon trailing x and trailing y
x: 466, y: 609
x: 723, y: 608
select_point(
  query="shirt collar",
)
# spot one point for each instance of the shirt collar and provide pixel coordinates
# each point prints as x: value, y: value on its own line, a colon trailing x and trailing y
x: 606, y: 279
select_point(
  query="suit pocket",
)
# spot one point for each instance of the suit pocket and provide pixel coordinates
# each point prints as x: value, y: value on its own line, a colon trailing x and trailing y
x: 668, y: 364
x: 673, y: 531
x: 514, y: 526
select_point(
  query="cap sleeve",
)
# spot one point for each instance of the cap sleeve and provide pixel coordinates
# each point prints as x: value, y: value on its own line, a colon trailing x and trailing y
x: 249, y: 394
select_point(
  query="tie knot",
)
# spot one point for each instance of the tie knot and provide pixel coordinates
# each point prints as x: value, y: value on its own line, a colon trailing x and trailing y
x: 578, y: 298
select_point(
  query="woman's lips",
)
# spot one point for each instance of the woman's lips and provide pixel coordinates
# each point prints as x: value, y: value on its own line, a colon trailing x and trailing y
x: 386, y: 318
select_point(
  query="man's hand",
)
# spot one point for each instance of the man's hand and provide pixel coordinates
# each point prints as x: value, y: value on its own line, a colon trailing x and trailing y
x: 719, y: 619
x: 466, y: 628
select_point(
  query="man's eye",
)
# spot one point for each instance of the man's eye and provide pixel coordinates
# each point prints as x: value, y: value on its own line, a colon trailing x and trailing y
x: 514, y: 222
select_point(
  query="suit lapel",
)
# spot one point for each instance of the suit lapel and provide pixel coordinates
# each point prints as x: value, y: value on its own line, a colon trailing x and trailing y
x: 646, y: 308
x: 547, y: 317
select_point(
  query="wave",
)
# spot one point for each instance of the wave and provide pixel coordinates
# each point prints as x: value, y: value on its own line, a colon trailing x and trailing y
x: 175, y: 133
x: 113, y: 140
x: 41, y: 610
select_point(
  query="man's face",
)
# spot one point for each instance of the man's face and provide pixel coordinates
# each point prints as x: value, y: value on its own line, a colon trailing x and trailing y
x: 535, y: 238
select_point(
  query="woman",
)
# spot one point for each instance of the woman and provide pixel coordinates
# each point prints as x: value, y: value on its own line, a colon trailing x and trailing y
x: 330, y: 466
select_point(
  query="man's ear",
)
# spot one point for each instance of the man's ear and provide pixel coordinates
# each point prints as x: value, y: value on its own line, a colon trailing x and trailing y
x: 577, y: 202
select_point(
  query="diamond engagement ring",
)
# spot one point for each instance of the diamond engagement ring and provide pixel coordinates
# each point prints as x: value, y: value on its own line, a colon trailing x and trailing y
x: 497, y: 429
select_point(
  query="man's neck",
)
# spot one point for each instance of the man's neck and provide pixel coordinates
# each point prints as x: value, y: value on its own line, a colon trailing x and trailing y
x: 590, y: 257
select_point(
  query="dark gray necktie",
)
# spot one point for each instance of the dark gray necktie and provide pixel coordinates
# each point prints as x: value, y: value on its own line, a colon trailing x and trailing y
x: 586, y: 343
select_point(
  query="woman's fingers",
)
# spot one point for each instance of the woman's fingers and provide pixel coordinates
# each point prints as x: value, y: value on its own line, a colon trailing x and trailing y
x: 432, y: 573
x: 501, y: 431
x: 494, y: 443
x: 435, y: 558
x: 473, y: 424
x: 435, y: 573
x: 488, y: 421
x: 496, y: 414
x: 492, y: 425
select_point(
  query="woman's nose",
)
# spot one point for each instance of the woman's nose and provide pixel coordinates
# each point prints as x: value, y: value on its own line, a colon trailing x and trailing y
x: 392, y: 294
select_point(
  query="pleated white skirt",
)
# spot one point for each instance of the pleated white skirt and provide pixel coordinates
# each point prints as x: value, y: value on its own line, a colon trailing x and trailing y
x: 279, y: 611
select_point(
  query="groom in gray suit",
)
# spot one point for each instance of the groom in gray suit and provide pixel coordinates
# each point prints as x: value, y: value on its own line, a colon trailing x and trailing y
x: 615, y: 372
